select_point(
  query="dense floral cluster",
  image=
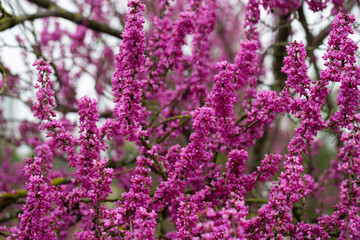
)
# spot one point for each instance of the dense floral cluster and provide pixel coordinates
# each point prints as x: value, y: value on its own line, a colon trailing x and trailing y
x: 129, y: 62
x: 43, y: 108
x: 187, y: 136
x: 35, y: 220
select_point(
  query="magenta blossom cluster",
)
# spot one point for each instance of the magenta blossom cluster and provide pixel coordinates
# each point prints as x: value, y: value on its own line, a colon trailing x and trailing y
x: 43, y: 108
x: 187, y: 135
x: 129, y: 62
x: 36, y: 218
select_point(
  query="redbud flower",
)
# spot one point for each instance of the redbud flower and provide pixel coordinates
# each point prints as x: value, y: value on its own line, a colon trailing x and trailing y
x: 44, y: 107
x: 127, y: 88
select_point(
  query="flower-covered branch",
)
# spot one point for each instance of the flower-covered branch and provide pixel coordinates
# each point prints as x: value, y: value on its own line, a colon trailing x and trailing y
x: 200, y: 120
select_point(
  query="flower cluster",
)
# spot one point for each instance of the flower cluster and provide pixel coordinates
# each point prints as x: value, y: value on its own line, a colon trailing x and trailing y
x: 341, y: 56
x: 44, y: 107
x: 35, y: 221
x: 136, y: 211
x: 129, y: 63
x: 340, y: 53
x: 195, y: 141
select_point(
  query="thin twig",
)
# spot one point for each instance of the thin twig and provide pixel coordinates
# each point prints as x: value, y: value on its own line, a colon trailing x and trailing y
x: 54, y: 10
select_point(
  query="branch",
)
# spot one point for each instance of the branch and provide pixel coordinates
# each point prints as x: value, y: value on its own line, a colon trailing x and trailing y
x: 325, y: 32
x: 303, y: 21
x: 172, y: 119
x: 9, y: 216
x: 256, y: 200
x: 4, y: 83
x: 168, y: 104
x: 11, y: 197
x: 3, y: 233
x: 321, y: 36
x: 103, y: 201
x: 159, y: 164
x: 56, y: 11
x: 280, y: 52
x: 310, y: 40
x: 163, y: 138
